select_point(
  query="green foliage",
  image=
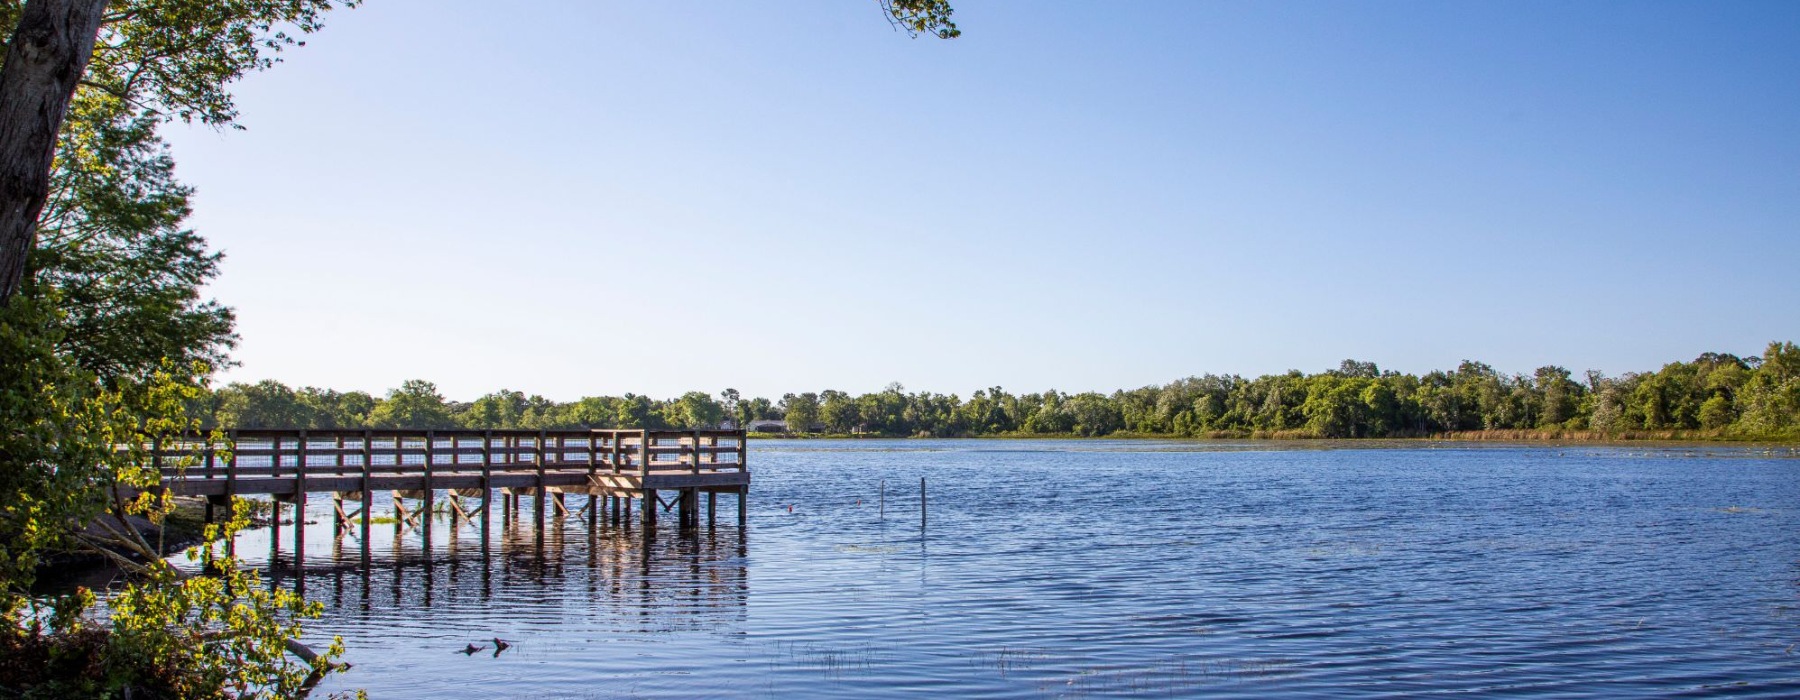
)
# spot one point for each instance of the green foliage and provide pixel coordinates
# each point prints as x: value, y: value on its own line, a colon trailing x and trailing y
x: 106, y: 350
x: 175, y: 58
x: 225, y: 635
x: 126, y: 276
x: 57, y: 449
x: 416, y: 404
x: 922, y: 17
x: 1733, y: 397
x: 72, y: 439
x: 694, y: 409
x: 801, y: 411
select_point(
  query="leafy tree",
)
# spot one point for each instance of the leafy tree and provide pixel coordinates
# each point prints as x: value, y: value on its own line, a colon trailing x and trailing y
x: 1771, y: 398
x: 501, y: 409
x: 416, y: 404
x: 1561, y: 396
x: 1358, y: 369
x: 838, y: 412
x: 166, y: 59
x: 802, y: 411
x: 735, y: 408
x: 127, y: 276
x: 1092, y: 415
x: 695, y: 409
x: 332, y: 409
x: 265, y: 404
x: 637, y: 412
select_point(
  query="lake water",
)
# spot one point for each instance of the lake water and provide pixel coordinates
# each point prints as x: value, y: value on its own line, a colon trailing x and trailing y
x: 1102, y: 568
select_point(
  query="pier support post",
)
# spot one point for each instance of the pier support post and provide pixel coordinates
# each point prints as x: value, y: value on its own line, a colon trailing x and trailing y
x: 487, y: 488
x: 743, y: 501
x: 649, y: 510
x: 537, y: 503
x: 430, y: 458
x: 537, y: 509
x: 274, y: 532
x: 300, y: 511
x: 712, y: 509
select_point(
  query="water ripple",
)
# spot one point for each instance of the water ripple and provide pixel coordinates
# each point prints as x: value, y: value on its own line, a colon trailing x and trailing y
x: 1113, y: 568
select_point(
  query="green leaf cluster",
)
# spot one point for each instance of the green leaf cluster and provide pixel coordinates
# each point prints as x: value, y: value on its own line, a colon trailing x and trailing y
x: 1716, y: 395
x: 106, y: 350
x: 918, y: 17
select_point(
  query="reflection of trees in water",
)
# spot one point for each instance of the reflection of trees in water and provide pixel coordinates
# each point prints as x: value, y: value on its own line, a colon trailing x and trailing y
x: 666, y: 582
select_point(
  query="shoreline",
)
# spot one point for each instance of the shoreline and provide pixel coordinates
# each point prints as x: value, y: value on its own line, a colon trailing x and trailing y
x: 184, y: 529
x: 1644, y: 438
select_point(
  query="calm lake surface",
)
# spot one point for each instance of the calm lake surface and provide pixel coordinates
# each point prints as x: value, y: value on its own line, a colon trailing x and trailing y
x: 1101, y: 568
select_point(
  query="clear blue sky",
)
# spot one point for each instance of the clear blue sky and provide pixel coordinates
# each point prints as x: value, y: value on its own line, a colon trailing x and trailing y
x: 594, y: 198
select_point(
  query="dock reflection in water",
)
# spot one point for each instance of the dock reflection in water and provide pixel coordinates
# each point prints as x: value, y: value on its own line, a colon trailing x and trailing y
x: 421, y: 596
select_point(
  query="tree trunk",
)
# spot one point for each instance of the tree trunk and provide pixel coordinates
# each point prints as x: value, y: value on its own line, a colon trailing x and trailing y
x: 45, y: 59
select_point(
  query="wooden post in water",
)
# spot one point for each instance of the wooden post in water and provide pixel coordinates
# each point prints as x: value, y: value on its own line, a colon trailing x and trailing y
x: 231, y: 489
x: 487, y: 486
x: 921, y: 504
x: 593, y: 455
x: 300, y: 510
x: 650, y: 500
x: 430, y: 457
x: 337, y: 497
x: 882, y: 513
x: 368, y: 493
x: 537, y: 505
x: 274, y: 509
x: 712, y: 510
x: 399, y: 504
x: 509, y: 499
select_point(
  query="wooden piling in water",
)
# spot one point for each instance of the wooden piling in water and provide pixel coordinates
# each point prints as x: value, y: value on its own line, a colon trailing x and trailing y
x: 537, y: 503
x: 300, y: 509
x: 368, y: 491
x: 275, y: 508
x: 487, y: 486
x: 430, y: 488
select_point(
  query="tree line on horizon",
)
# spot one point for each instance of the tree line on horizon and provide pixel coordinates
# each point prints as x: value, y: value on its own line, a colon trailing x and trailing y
x: 1716, y: 394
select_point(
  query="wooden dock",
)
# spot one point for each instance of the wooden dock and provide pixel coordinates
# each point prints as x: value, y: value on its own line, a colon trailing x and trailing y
x: 465, y: 469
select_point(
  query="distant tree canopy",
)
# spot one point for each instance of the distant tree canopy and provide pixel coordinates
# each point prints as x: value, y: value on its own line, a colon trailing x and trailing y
x: 1718, y: 394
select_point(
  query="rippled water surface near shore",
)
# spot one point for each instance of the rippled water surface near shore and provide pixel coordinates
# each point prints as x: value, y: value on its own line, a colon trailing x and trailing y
x: 1083, y: 568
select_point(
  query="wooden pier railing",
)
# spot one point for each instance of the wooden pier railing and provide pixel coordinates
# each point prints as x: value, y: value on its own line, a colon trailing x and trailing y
x: 619, y: 465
